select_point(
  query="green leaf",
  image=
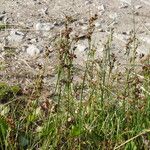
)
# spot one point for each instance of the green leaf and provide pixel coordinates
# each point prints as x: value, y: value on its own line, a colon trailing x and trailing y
x: 4, y: 110
x: 131, y: 146
x: 32, y: 117
x: 76, y: 131
x: 3, y: 128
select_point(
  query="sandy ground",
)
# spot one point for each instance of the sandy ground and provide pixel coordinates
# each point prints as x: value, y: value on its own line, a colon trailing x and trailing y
x: 122, y: 15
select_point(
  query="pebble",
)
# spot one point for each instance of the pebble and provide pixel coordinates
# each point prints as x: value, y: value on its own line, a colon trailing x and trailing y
x: 15, y: 36
x: 138, y: 6
x: 83, y: 21
x: 88, y: 2
x: 44, y: 26
x: 113, y: 16
x: 58, y: 23
x: 126, y: 1
x: 34, y: 40
x: 84, y: 28
x: 124, y: 5
x: 2, y: 17
x: 32, y: 50
x: 145, y: 39
x: 44, y: 11
x: 101, y: 30
x: 101, y: 8
x: 81, y: 47
x: 98, y: 25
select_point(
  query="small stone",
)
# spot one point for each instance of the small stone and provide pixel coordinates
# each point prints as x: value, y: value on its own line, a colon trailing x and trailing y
x: 34, y: 40
x: 145, y: 39
x: 101, y: 8
x: 4, y: 12
x: 32, y: 50
x: 44, y: 26
x: 138, y: 6
x: 81, y: 47
x: 124, y: 5
x: 113, y: 16
x: 126, y: 1
x: 15, y: 36
x: 101, y: 30
x: 124, y: 33
x: 2, y: 17
x: 19, y: 33
x: 83, y: 21
x: 88, y: 2
x: 84, y: 28
x: 97, y: 25
x: 44, y: 11
x: 136, y: 13
x: 58, y: 23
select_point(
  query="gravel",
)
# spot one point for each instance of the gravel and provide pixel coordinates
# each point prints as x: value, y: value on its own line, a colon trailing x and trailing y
x: 36, y: 23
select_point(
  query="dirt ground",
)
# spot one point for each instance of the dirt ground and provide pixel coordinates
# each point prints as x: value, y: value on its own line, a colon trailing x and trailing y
x: 116, y: 13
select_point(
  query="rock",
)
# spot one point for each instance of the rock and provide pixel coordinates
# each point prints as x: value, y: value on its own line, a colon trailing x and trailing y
x: 84, y: 28
x: 83, y: 21
x: 98, y: 25
x: 87, y: 2
x: 81, y: 47
x: 101, y: 8
x: 32, y: 50
x: 4, y: 12
x: 58, y: 23
x: 44, y: 26
x: 145, y: 39
x: 138, y: 6
x: 34, y: 40
x: 113, y: 16
x: 81, y: 52
x: 126, y: 1
x: 136, y: 13
x: 101, y: 30
x: 124, y: 5
x: 15, y: 37
x: 2, y: 17
x: 44, y: 11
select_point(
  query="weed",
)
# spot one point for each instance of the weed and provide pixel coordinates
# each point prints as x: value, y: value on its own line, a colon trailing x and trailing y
x: 108, y: 109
